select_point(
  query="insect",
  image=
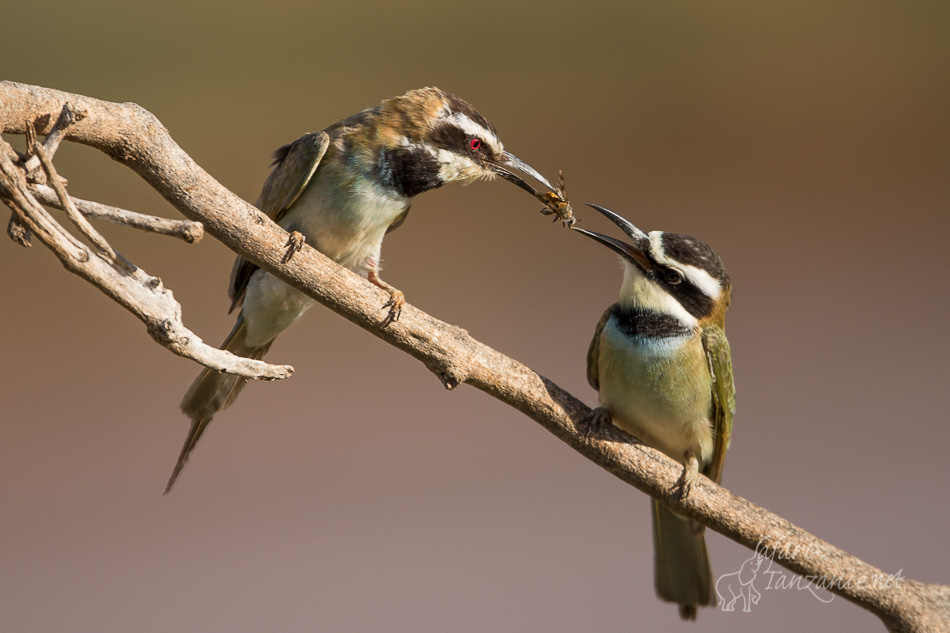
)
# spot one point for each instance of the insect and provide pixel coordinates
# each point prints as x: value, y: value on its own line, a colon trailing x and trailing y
x: 555, y: 203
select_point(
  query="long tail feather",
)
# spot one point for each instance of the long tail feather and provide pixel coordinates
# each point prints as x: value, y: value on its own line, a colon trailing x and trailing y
x: 213, y: 391
x: 682, y: 571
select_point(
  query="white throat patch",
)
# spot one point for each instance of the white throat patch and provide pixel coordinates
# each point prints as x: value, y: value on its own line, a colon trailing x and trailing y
x: 639, y: 292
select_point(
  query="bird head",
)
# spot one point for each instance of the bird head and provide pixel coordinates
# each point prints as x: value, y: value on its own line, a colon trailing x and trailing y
x: 669, y: 273
x: 428, y: 137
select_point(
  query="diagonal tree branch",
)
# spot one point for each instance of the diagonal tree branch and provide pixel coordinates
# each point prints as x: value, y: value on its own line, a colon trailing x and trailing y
x: 133, y: 136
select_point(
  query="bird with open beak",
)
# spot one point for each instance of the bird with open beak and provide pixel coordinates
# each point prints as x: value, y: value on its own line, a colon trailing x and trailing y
x: 661, y: 365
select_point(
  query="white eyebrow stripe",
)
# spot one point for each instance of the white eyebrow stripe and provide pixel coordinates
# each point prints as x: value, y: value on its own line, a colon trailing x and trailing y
x: 474, y: 129
x: 707, y: 284
x: 656, y: 245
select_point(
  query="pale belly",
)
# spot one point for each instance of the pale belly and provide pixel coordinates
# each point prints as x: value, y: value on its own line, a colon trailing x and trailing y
x: 348, y: 231
x: 659, y: 391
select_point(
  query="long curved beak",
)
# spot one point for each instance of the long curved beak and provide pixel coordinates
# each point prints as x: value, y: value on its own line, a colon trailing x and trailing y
x: 633, y: 253
x: 511, y: 162
x: 638, y: 236
x: 553, y: 198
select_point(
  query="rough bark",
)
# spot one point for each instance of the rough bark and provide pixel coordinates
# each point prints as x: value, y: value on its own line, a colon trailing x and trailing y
x: 134, y: 137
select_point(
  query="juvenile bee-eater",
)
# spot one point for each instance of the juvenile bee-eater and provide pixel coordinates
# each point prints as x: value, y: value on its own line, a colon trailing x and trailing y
x: 341, y: 190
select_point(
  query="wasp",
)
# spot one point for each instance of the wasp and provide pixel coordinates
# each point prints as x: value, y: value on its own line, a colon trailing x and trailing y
x: 555, y: 203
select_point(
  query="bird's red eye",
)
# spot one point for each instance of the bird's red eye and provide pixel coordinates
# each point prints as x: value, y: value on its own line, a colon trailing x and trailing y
x: 475, y: 144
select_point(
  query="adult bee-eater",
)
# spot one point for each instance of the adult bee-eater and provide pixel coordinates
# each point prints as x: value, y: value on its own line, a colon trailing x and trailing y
x: 661, y: 365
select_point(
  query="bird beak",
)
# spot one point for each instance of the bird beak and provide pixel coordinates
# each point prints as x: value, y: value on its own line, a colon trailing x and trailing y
x: 634, y: 253
x: 511, y: 162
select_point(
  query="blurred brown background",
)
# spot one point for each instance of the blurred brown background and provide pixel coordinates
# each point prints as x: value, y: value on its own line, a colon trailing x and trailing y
x: 807, y: 142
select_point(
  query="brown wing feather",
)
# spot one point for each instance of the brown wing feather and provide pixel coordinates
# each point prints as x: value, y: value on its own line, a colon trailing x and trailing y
x: 294, y: 165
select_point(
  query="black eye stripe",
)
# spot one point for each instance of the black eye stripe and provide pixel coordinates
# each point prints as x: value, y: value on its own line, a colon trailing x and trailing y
x: 449, y: 136
x: 691, y: 252
x: 696, y: 302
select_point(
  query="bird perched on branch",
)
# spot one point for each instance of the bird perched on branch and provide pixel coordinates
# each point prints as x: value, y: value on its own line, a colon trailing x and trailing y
x: 661, y: 364
x: 341, y: 190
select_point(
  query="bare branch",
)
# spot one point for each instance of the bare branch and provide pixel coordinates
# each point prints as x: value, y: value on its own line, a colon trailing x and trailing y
x: 131, y: 287
x: 135, y: 137
x: 186, y: 230
x: 67, y: 116
x: 81, y: 223
x: 15, y: 229
x: 17, y: 232
x: 33, y: 216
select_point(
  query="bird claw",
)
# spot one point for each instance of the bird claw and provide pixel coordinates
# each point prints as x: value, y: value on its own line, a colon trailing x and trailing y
x: 598, y: 421
x: 396, y: 301
x: 294, y: 245
x: 684, y: 485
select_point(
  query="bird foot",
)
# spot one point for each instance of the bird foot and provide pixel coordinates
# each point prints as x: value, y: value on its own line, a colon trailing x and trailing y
x: 598, y: 422
x: 685, y: 483
x: 396, y: 301
x: 294, y: 245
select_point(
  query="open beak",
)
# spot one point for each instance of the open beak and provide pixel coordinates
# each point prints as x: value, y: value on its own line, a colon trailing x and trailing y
x: 634, y: 253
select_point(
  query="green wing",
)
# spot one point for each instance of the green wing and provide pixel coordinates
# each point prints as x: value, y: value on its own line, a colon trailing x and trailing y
x: 593, y: 352
x: 294, y: 166
x: 724, y: 396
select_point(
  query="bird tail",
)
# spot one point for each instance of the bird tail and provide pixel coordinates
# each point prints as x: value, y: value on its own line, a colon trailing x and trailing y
x: 681, y: 565
x: 214, y: 391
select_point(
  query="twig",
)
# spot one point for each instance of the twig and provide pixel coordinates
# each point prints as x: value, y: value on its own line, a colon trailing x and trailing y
x: 17, y: 232
x: 135, y: 290
x: 67, y: 116
x: 81, y: 223
x: 33, y: 216
x: 186, y: 230
x: 136, y: 138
